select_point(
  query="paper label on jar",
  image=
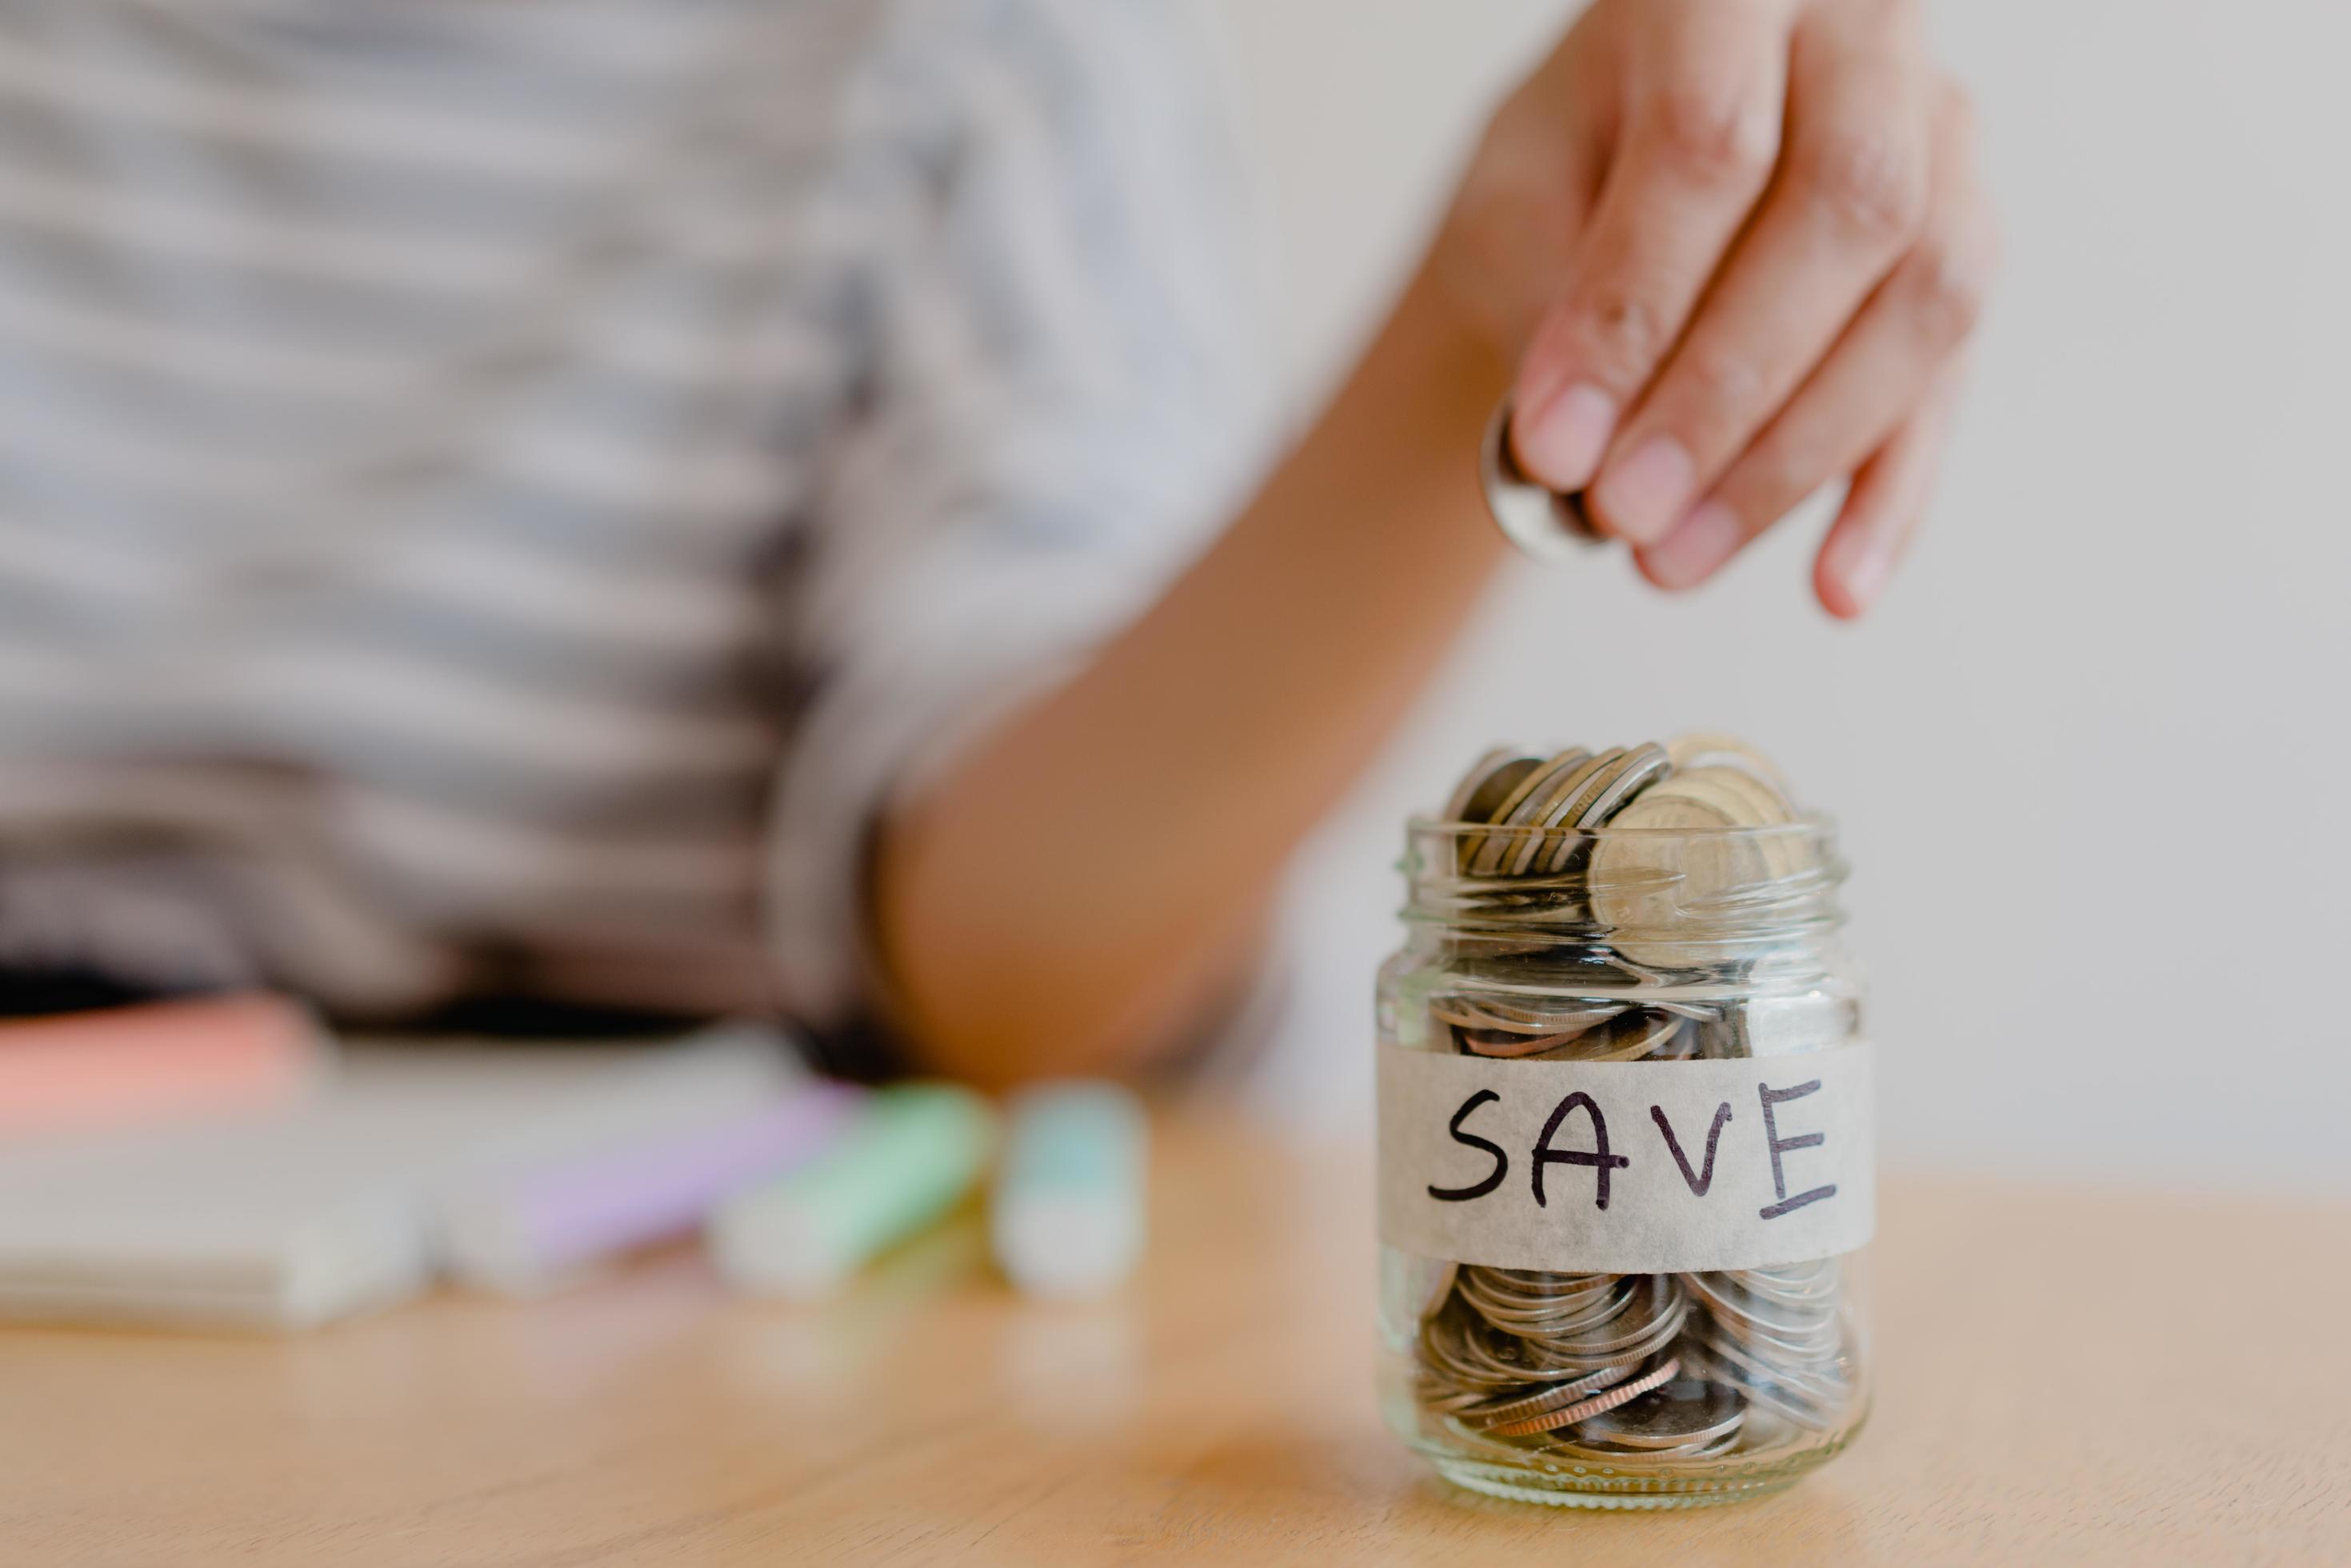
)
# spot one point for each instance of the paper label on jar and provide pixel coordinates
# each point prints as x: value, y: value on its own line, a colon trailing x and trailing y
x: 1628, y: 1167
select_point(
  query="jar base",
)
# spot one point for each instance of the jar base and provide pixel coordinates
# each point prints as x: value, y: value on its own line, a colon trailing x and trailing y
x: 1595, y: 1487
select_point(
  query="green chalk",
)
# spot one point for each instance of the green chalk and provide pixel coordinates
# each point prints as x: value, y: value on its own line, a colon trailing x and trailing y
x: 907, y: 1160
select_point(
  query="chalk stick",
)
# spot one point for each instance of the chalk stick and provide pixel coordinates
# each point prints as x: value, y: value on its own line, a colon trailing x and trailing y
x: 909, y: 1157
x: 157, y: 1062
x: 1066, y: 1218
x: 531, y: 1230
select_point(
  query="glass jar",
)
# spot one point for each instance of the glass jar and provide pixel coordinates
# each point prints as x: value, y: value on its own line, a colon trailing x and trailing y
x: 1626, y: 1162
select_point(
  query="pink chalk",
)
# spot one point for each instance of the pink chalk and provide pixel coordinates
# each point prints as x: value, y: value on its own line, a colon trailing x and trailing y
x: 157, y: 1061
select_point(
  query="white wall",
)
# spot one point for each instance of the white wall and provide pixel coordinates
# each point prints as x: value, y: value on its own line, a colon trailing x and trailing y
x: 2089, y: 756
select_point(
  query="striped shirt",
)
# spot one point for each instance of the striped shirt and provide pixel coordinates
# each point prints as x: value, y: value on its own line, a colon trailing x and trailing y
x: 497, y: 494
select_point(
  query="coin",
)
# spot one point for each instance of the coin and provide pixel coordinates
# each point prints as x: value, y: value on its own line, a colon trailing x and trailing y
x: 1599, y: 796
x: 1440, y: 1290
x: 1678, y: 854
x: 1584, y: 1410
x: 1557, y: 1396
x: 1806, y: 1396
x: 1481, y: 792
x: 1680, y: 1413
x: 1709, y: 748
x: 1489, y: 1013
x: 1489, y: 779
x: 1555, y: 804
x: 1550, y: 1319
x: 1548, y: 527
x: 1494, y: 847
x: 1793, y: 1283
x: 1638, y: 768
x: 1510, y: 852
x: 1637, y: 1035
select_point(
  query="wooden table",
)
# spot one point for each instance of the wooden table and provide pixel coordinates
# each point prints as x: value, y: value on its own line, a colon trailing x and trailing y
x: 2064, y: 1376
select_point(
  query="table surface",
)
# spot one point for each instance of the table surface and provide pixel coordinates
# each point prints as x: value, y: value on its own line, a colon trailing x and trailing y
x: 2062, y: 1375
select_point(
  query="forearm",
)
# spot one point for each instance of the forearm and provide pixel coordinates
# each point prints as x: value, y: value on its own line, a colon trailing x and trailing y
x: 1086, y: 879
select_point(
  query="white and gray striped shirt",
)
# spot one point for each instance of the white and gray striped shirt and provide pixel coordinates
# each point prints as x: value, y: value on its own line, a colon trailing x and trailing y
x: 495, y: 493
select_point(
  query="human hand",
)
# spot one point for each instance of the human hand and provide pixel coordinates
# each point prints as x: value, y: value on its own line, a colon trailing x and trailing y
x: 1736, y: 248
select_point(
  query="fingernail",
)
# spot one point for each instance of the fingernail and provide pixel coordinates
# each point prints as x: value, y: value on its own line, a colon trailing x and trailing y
x: 1695, y: 549
x: 1561, y: 444
x: 1863, y: 570
x: 1639, y: 498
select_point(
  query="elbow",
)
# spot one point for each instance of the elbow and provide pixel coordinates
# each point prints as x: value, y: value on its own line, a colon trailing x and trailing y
x: 997, y: 1014
x: 998, y: 975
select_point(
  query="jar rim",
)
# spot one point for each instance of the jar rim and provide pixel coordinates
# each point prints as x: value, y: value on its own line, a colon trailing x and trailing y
x: 1651, y: 888
x: 1815, y: 823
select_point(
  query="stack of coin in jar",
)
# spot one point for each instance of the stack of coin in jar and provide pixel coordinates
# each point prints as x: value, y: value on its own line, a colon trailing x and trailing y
x: 1644, y: 1370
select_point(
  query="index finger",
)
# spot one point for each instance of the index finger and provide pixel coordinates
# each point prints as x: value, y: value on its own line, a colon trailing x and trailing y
x: 1700, y: 139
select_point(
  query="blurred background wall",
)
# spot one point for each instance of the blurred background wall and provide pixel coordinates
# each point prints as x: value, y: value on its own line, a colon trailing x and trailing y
x: 2088, y: 755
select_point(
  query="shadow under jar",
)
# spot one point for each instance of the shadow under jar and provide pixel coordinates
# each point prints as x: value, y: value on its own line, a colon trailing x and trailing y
x: 1626, y: 1162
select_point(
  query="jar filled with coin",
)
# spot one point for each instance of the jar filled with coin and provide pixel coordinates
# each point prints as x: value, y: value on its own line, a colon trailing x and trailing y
x: 1626, y: 1138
